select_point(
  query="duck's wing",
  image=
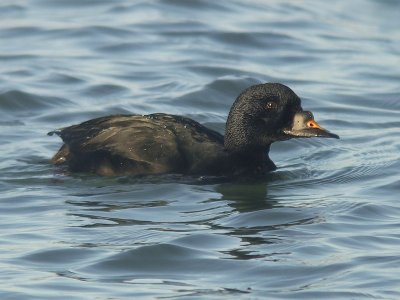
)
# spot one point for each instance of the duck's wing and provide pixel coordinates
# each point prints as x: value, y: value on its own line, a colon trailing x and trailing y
x: 121, y: 145
x: 135, y: 144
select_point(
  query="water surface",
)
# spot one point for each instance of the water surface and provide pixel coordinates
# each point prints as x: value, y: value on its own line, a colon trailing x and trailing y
x: 325, y: 224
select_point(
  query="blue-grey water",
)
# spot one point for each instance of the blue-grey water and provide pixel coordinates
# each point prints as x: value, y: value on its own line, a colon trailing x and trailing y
x: 326, y: 224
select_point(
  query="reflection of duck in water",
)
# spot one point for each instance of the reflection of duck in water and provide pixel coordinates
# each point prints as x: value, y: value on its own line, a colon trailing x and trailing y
x: 161, y: 143
x: 246, y: 196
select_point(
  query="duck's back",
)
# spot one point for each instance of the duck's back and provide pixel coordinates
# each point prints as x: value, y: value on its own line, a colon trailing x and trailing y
x: 136, y: 144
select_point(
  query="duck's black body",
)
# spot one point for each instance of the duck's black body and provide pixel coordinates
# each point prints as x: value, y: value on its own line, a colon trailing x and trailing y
x: 135, y: 144
x: 161, y: 143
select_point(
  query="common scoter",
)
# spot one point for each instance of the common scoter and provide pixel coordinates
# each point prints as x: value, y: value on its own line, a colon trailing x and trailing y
x: 162, y: 143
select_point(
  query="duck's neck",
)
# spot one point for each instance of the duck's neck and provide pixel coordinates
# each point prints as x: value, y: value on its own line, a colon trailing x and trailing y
x: 245, y: 145
x: 250, y: 161
x: 238, y: 134
x: 243, y: 132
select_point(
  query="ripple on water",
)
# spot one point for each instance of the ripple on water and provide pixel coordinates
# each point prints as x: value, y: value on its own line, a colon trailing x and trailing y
x: 72, y: 257
x: 324, y: 225
x: 104, y: 90
x: 217, y: 95
x: 16, y: 102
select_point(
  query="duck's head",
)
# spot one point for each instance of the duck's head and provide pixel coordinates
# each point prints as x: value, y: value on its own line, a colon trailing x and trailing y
x: 265, y: 113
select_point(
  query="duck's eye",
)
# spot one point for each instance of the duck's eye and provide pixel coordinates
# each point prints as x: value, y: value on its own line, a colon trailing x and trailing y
x: 271, y: 105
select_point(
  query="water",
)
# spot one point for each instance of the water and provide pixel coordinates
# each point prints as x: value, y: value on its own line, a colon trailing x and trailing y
x: 325, y: 224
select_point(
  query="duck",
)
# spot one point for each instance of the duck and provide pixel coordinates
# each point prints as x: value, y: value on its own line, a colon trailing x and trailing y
x: 162, y: 143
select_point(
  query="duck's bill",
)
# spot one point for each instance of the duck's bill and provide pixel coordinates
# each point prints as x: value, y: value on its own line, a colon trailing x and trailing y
x: 304, y: 125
